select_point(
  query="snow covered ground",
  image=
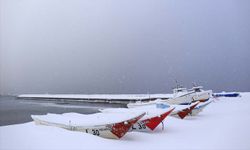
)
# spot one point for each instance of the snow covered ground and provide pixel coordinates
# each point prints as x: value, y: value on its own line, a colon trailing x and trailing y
x: 224, y: 124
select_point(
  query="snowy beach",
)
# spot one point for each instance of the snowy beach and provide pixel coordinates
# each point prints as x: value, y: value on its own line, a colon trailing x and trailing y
x: 222, y: 125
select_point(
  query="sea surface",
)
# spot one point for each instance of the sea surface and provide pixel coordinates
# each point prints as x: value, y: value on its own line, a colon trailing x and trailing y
x: 14, y: 110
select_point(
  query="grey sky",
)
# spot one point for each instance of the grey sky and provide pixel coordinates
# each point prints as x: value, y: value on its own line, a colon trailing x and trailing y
x: 123, y: 46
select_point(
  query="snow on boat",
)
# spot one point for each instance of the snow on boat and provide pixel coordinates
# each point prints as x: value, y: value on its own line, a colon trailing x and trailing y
x: 182, y: 96
x: 183, y: 110
x: 199, y: 108
x: 180, y: 111
x: 142, y: 104
x: 113, y: 126
x: 149, y: 121
x: 200, y: 94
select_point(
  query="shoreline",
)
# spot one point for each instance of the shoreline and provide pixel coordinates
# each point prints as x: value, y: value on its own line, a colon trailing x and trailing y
x: 15, y: 110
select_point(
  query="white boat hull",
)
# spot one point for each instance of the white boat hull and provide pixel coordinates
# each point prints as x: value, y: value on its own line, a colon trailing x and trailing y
x: 109, y: 130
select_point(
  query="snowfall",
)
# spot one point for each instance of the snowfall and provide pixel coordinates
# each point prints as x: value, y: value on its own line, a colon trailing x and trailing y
x: 224, y: 124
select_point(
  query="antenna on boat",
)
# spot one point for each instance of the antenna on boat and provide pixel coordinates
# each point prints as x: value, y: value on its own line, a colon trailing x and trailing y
x: 148, y: 96
x: 177, y: 84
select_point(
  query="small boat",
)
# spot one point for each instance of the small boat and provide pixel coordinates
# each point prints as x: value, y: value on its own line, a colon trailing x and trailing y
x: 183, y: 96
x: 180, y: 111
x: 149, y: 121
x: 199, y: 108
x: 183, y: 110
x: 113, y: 126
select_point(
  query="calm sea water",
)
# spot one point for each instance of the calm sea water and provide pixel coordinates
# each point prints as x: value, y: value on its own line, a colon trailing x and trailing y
x: 14, y: 110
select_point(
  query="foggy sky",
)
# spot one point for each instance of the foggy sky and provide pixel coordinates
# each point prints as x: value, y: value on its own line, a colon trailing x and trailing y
x: 123, y: 46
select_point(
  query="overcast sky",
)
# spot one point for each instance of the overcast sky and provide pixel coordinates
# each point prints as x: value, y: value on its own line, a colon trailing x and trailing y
x: 123, y: 46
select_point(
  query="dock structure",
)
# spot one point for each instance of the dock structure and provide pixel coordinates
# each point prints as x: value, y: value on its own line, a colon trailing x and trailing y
x: 95, y: 98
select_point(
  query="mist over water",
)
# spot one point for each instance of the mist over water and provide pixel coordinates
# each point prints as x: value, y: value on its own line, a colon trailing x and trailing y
x: 127, y: 46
